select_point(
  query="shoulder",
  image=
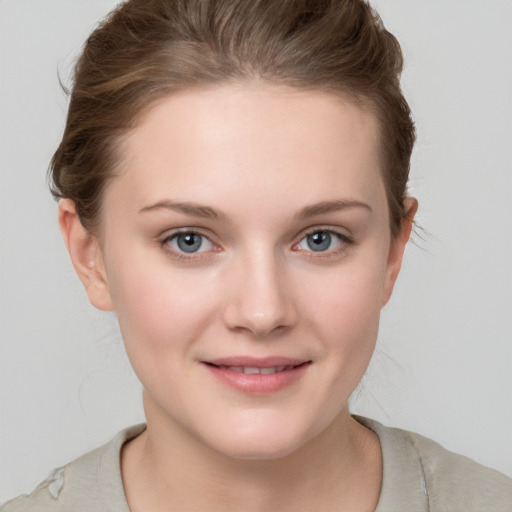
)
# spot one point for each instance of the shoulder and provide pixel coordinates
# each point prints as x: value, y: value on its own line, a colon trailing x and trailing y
x: 448, y: 481
x: 92, y: 482
x: 457, y: 481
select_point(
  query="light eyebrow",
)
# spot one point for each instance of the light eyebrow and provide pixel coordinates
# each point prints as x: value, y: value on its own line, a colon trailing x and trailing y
x: 186, y: 208
x: 329, y: 207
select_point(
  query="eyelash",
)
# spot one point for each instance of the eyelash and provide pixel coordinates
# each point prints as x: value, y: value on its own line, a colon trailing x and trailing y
x: 165, y: 244
x: 343, y: 239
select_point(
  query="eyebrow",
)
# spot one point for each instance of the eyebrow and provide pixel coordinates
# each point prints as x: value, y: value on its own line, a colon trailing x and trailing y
x: 186, y: 208
x: 207, y: 212
x: 329, y: 207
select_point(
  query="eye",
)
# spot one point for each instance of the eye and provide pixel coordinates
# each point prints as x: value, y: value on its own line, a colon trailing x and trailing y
x: 189, y: 242
x: 322, y: 241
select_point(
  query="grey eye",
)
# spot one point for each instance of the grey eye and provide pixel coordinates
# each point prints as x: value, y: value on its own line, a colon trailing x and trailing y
x: 190, y: 242
x: 321, y: 241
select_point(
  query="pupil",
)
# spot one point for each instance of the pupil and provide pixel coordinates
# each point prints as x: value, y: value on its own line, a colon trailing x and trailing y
x: 319, y: 241
x: 189, y: 242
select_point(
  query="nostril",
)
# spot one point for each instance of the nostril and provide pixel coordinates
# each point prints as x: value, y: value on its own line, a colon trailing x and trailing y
x: 259, y: 307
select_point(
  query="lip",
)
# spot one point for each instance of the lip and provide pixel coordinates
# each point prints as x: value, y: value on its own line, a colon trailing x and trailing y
x: 258, y: 384
x: 256, y: 362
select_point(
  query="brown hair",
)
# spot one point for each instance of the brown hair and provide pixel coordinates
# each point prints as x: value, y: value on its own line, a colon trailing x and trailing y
x: 145, y: 49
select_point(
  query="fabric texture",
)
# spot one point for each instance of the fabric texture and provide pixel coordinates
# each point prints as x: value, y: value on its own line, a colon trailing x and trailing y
x: 418, y: 476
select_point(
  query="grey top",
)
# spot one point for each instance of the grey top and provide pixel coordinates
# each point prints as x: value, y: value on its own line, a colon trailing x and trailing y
x: 418, y: 475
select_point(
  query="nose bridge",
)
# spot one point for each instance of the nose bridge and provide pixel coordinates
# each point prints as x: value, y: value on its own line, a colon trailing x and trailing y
x: 260, y: 301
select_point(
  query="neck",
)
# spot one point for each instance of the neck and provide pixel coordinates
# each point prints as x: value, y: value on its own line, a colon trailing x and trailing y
x: 167, y: 469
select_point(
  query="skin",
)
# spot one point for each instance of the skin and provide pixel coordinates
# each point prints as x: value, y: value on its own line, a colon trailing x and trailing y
x: 258, y: 158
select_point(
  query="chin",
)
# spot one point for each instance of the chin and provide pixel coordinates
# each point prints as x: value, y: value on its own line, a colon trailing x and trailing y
x: 257, y: 441
x: 250, y: 450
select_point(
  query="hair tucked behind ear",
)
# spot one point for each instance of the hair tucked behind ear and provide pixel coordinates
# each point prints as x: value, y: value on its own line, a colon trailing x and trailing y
x: 146, y: 49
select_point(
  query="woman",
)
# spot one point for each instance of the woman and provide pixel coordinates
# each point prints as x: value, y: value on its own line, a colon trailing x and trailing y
x: 233, y: 184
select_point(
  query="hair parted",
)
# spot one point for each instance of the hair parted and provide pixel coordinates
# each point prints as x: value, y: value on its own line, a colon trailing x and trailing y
x: 146, y: 49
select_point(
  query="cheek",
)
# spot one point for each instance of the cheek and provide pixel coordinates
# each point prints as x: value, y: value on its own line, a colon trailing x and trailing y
x: 159, y: 307
x: 344, y: 312
x: 346, y: 302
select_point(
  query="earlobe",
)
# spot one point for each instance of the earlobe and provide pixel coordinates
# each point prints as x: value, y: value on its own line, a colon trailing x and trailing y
x: 397, y: 248
x: 85, y: 254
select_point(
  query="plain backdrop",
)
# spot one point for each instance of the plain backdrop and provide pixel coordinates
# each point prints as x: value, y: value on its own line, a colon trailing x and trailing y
x: 444, y: 357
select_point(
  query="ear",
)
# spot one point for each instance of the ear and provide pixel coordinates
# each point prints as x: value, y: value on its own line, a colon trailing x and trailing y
x: 85, y: 253
x: 397, y: 248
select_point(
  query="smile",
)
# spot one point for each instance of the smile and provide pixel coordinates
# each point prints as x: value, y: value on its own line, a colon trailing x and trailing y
x: 257, y: 376
x: 254, y: 370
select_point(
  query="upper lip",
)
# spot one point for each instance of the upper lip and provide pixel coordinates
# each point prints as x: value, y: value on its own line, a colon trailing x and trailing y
x: 256, y: 362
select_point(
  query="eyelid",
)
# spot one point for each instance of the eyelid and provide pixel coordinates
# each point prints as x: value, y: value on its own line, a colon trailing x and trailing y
x: 168, y: 235
x: 328, y: 229
x: 345, y: 239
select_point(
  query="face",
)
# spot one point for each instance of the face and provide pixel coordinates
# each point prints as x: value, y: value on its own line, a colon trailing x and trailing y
x: 246, y: 250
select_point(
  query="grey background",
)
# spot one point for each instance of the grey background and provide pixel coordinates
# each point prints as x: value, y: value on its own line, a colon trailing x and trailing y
x: 443, y: 364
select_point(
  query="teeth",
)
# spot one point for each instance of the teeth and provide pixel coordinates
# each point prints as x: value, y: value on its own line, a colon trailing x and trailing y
x: 253, y: 371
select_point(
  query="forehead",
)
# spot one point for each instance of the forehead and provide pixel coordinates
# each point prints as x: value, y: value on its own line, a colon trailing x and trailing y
x: 268, y: 141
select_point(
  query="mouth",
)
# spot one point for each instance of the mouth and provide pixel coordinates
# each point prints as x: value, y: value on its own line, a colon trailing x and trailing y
x: 258, y: 376
x: 253, y: 370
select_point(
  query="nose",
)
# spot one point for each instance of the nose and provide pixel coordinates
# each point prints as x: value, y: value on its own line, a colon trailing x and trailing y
x: 260, y: 298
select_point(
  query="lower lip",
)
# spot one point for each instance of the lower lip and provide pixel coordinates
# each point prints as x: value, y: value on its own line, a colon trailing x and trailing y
x: 258, y: 383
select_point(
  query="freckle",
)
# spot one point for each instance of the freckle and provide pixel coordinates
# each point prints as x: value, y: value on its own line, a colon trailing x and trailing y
x: 56, y: 482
